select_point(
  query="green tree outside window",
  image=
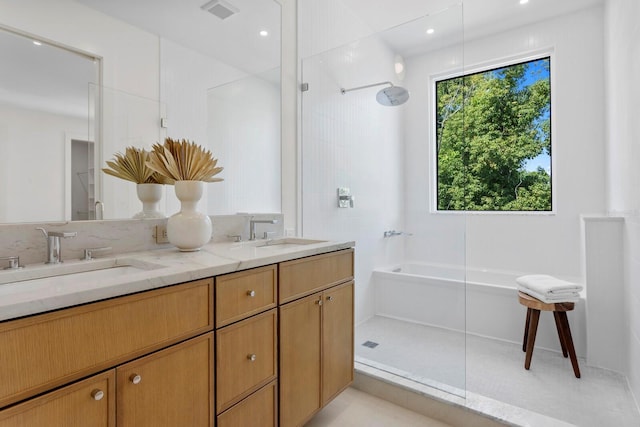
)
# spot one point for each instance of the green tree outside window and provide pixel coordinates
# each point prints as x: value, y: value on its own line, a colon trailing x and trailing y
x: 493, y: 139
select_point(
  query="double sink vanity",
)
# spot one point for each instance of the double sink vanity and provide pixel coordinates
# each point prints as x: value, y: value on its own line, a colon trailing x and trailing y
x: 256, y: 333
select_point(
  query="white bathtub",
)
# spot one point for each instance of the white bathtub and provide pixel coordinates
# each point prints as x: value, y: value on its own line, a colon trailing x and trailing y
x: 483, y: 303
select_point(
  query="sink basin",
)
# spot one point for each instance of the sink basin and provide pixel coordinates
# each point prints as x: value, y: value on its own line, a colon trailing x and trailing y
x: 286, y: 243
x: 75, y: 271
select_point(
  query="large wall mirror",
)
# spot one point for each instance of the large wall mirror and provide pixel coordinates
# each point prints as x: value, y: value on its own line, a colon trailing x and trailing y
x: 104, y: 76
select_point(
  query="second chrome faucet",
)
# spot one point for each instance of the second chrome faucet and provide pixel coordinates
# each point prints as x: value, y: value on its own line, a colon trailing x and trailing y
x: 54, y: 249
x: 252, y: 226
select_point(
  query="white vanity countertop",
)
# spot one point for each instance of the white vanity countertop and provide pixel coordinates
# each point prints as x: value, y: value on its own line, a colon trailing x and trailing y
x: 171, y: 266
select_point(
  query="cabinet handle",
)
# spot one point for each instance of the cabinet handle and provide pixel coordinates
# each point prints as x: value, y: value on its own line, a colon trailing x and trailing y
x: 135, y: 378
x: 252, y: 357
x: 97, y: 394
x: 251, y: 293
x: 319, y: 302
x: 330, y: 298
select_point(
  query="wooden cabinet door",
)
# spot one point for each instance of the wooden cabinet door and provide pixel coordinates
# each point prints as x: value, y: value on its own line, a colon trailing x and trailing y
x: 258, y: 410
x: 172, y: 387
x: 87, y: 403
x: 300, y: 360
x: 337, y: 340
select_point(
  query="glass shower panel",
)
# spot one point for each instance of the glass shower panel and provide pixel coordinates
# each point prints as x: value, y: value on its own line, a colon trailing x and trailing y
x: 410, y: 259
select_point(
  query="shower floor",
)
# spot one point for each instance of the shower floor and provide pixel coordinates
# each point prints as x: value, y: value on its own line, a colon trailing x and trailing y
x: 449, y: 361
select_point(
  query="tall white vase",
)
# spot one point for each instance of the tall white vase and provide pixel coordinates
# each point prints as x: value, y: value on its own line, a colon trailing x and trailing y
x: 189, y: 229
x: 150, y: 196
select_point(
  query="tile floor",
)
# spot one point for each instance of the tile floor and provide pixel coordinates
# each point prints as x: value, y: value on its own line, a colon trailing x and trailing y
x: 354, y: 408
x: 458, y: 364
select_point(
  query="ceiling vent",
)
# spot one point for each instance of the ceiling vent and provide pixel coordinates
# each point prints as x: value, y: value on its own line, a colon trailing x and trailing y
x: 220, y: 8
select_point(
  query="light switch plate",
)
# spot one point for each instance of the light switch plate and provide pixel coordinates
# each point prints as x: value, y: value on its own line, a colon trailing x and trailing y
x: 161, y: 234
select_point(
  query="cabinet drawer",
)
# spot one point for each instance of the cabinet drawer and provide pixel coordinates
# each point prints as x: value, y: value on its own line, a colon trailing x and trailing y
x: 258, y: 410
x: 305, y: 276
x: 242, y: 294
x: 89, y: 403
x: 246, y: 358
x: 48, y: 350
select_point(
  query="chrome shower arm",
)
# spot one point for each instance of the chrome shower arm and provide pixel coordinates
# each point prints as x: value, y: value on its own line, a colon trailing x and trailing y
x: 343, y: 91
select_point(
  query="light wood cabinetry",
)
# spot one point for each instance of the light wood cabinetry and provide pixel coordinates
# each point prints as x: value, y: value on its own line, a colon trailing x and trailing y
x: 337, y: 340
x: 300, y: 355
x: 258, y: 410
x: 246, y: 358
x: 304, y: 276
x: 49, y: 350
x: 171, y: 387
x: 276, y: 349
x: 86, y: 403
x: 247, y: 347
x: 316, y: 338
x: 239, y: 295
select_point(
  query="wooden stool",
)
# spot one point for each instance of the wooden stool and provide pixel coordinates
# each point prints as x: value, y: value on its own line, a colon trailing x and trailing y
x: 534, y: 307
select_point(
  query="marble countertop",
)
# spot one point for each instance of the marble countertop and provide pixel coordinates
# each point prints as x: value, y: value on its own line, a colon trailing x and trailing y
x: 152, y: 269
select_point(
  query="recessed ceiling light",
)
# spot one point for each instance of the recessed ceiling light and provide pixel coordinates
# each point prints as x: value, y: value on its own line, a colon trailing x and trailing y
x: 524, y: 1
x: 37, y: 43
x: 263, y: 33
x: 431, y: 31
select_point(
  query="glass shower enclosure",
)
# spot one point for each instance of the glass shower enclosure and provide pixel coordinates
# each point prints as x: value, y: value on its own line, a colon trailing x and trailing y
x: 367, y: 116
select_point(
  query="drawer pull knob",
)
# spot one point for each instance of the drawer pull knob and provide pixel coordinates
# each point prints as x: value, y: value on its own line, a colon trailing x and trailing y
x: 97, y: 394
x: 251, y: 293
x: 319, y: 302
x: 135, y: 378
x: 330, y: 298
x: 252, y: 357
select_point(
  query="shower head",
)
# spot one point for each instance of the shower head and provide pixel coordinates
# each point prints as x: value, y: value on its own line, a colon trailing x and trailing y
x: 389, y: 96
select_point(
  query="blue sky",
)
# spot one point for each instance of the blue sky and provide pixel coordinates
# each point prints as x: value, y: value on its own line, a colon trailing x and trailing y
x: 536, y: 70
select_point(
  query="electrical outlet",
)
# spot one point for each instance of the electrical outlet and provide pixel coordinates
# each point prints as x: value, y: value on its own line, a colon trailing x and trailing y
x: 161, y: 234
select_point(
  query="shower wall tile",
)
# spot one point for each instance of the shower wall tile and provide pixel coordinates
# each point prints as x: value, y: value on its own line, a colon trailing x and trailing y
x: 351, y: 141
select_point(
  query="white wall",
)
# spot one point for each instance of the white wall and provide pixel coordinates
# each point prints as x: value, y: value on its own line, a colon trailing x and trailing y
x: 236, y: 117
x: 184, y: 92
x: 518, y: 242
x: 622, y: 32
x: 244, y: 134
x: 34, y: 141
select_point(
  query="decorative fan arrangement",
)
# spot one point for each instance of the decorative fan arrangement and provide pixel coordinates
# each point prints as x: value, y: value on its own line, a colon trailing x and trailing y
x: 132, y: 166
x: 186, y: 166
x: 175, y: 160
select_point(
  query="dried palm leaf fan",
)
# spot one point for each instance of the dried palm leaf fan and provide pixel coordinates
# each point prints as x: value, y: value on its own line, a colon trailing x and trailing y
x: 183, y: 160
x: 132, y: 166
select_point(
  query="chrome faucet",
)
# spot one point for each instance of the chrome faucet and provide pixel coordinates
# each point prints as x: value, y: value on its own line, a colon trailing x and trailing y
x: 252, y: 226
x: 14, y: 262
x: 54, y: 249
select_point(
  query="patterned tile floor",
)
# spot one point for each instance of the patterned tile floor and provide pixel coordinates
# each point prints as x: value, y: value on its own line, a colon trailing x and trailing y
x: 454, y: 363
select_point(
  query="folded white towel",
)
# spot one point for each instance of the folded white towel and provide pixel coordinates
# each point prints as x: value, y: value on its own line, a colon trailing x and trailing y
x: 547, y: 285
x: 551, y: 299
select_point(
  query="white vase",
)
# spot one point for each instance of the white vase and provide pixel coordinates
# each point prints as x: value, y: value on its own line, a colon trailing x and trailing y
x: 149, y: 195
x: 189, y: 229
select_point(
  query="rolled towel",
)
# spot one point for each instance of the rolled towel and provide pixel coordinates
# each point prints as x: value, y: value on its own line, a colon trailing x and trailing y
x: 547, y: 285
x: 551, y: 299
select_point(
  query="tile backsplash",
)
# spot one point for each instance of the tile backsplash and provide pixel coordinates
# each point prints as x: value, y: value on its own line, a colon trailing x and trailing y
x: 122, y: 236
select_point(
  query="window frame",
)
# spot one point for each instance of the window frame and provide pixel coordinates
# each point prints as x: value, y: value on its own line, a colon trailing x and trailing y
x: 480, y: 67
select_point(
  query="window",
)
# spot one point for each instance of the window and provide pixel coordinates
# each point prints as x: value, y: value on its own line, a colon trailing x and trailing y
x: 493, y: 139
